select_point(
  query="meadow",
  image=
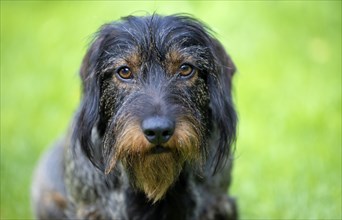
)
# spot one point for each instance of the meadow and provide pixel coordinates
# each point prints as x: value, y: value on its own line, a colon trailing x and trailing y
x: 287, y: 91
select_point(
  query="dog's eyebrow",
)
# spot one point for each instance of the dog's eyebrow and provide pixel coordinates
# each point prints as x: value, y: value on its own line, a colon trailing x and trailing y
x: 116, y: 59
x: 197, y: 55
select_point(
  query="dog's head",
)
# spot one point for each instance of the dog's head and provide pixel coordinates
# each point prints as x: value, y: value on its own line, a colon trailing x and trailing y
x: 156, y: 89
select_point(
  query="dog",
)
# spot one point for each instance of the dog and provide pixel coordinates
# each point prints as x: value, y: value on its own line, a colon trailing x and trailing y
x: 154, y: 133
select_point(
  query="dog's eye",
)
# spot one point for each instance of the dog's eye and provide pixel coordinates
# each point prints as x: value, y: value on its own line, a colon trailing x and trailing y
x: 186, y: 70
x: 125, y: 72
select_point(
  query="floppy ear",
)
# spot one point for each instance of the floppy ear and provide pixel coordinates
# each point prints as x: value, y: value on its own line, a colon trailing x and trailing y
x: 222, y: 108
x: 88, y: 113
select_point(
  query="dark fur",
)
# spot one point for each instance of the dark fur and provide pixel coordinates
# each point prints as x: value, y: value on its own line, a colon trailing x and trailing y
x: 107, y: 170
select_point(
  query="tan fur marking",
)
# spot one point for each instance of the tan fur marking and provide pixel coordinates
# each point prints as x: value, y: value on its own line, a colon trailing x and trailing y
x: 131, y: 140
x: 55, y: 198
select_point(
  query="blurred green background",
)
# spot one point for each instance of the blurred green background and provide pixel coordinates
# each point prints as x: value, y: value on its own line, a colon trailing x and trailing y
x: 287, y: 92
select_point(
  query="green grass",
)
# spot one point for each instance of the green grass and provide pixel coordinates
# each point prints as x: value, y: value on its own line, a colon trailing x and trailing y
x: 287, y: 91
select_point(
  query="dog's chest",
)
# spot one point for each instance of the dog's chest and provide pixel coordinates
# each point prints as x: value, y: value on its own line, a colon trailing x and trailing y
x: 94, y: 196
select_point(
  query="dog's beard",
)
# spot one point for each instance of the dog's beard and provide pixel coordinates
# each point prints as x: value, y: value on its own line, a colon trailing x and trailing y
x: 154, y: 173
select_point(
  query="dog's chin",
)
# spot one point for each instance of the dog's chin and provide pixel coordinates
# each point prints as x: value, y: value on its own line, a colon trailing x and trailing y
x: 155, y: 172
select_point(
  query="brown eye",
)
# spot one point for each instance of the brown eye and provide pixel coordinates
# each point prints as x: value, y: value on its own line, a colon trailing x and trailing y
x: 125, y: 72
x: 186, y: 70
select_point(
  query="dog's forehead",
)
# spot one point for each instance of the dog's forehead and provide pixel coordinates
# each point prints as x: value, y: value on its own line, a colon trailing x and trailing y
x: 156, y: 33
x: 171, y: 39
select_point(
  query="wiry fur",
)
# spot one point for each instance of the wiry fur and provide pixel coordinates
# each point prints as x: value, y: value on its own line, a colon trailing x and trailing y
x: 107, y: 167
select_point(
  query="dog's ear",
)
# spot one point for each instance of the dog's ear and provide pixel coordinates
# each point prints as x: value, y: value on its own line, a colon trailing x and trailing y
x: 222, y: 108
x: 88, y: 113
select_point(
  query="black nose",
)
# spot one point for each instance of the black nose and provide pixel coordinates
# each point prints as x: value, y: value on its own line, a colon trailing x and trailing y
x: 158, y: 130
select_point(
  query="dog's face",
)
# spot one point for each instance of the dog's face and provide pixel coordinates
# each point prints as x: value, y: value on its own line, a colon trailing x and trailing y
x: 156, y: 89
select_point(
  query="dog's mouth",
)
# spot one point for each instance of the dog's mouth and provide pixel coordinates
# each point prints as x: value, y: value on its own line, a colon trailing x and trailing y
x: 159, y: 149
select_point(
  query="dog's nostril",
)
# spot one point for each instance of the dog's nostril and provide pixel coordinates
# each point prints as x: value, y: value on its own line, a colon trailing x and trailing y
x: 158, y: 130
x: 149, y: 133
x: 166, y: 133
